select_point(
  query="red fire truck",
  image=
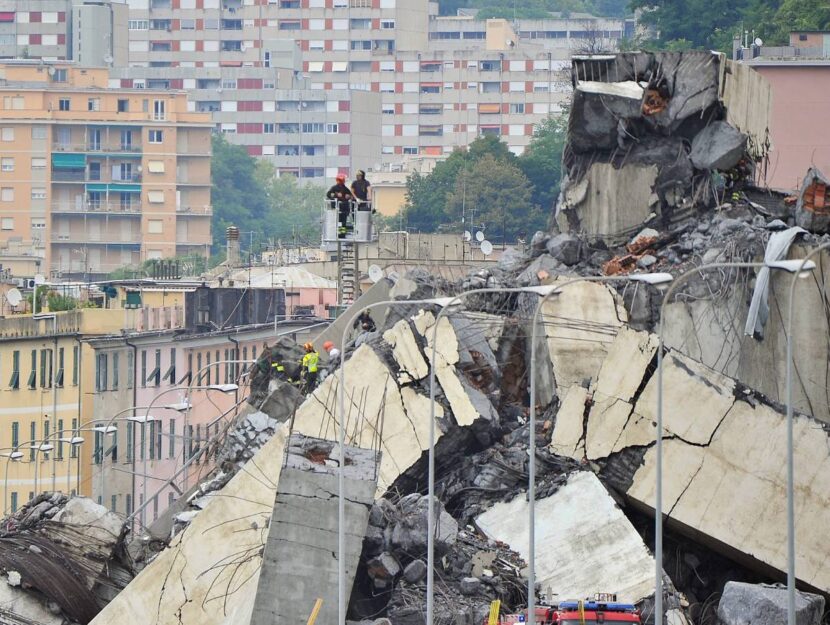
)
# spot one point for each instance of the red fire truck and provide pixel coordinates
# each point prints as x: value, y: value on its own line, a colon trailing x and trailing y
x: 602, y: 609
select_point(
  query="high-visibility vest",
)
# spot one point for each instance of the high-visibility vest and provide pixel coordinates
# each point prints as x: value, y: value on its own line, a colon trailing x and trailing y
x: 278, y: 366
x: 310, y: 362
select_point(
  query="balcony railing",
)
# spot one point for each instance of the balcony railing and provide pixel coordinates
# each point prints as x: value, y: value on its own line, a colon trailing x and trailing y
x: 100, y: 238
x: 59, y: 175
x: 194, y: 210
x: 97, y: 207
x: 128, y: 148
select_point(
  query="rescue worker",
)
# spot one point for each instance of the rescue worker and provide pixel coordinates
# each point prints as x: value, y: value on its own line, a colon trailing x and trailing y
x: 334, y: 354
x: 309, y: 367
x: 278, y: 371
x: 341, y: 196
x: 360, y: 190
x: 365, y: 322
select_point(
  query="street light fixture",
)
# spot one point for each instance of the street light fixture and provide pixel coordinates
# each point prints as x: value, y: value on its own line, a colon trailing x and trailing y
x: 797, y: 267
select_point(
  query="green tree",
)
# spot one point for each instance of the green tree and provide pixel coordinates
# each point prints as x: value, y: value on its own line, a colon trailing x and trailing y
x: 692, y: 20
x: 541, y: 161
x: 496, y: 194
x: 426, y: 196
x: 237, y: 193
x: 294, y: 212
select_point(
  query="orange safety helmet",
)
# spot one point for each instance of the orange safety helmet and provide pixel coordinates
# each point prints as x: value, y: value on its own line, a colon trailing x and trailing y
x: 308, y: 347
x: 328, y: 345
x: 340, y: 178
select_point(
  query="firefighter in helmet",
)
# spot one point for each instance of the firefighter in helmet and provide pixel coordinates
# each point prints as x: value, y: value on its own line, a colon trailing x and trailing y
x: 309, y: 367
x: 341, y: 196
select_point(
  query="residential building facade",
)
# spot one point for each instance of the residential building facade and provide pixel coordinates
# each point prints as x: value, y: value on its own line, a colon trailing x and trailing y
x: 95, y: 178
x: 90, y: 32
x: 440, y: 81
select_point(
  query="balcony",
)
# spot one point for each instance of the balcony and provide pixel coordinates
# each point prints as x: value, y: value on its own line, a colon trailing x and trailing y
x: 84, y: 176
x: 97, y: 238
x: 100, y: 208
x: 194, y: 211
x: 123, y: 148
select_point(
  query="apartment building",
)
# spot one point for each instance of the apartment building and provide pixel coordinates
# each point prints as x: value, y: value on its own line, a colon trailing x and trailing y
x: 441, y: 81
x: 90, y: 32
x: 94, y: 177
x: 47, y: 420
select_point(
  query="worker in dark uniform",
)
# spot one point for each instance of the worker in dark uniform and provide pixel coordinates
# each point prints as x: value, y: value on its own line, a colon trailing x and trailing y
x: 365, y: 322
x: 342, y: 196
x: 309, y: 367
x: 360, y: 190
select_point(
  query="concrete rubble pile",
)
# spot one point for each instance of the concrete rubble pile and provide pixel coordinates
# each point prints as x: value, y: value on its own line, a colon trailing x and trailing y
x: 657, y: 145
x: 63, y: 559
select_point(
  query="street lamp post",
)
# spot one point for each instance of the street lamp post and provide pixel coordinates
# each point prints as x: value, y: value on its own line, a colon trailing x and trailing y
x: 790, y: 460
x: 793, y: 266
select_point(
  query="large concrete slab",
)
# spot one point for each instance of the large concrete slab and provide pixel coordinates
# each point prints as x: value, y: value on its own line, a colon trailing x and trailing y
x: 209, y: 573
x: 583, y: 541
x: 724, y: 478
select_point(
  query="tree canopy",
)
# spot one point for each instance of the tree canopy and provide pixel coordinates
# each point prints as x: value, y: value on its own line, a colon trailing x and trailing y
x: 535, y: 9
x: 487, y: 186
x: 712, y: 24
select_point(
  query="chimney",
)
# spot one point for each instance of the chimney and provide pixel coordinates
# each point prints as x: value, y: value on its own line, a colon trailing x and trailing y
x: 232, y: 234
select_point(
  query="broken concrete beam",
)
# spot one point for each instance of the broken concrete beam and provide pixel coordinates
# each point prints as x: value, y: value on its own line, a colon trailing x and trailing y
x: 725, y: 478
x: 583, y: 541
x: 209, y: 573
x: 597, y: 111
x: 586, y: 202
x: 301, y: 562
x: 580, y: 323
x: 762, y: 604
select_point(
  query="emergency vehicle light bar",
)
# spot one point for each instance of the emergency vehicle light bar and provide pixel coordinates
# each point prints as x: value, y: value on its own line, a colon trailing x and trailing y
x: 598, y: 605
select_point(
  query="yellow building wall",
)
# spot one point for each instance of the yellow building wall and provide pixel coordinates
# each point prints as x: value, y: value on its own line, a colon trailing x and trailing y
x: 389, y: 200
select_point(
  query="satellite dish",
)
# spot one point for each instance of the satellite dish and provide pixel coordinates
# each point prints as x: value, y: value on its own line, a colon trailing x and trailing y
x: 375, y: 273
x: 14, y: 297
x: 40, y: 279
x: 759, y: 42
x: 468, y: 236
x: 479, y: 236
x: 50, y: 70
x: 486, y: 248
x: 108, y: 59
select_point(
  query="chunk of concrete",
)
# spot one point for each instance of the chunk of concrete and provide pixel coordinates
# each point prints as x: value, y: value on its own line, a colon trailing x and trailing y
x: 718, y: 146
x: 763, y: 604
x: 583, y: 541
x: 597, y: 110
x: 565, y: 248
x: 405, y: 350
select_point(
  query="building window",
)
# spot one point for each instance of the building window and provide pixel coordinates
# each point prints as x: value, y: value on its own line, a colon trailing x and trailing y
x: 46, y: 368
x: 152, y: 438
x: 7, y: 223
x: 38, y: 193
x: 123, y: 105
x: 159, y: 110
x: 63, y: 104
x: 101, y: 373
x: 14, y: 501
x: 59, y: 376
x: 171, y: 445
x: 32, y: 383
x: 517, y: 108
x: 129, y: 506
x: 115, y: 371
x: 7, y: 164
x: 32, y: 438
x: 387, y: 24
x: 75, y: 365
x: 143, y: 368
x: 139, y: 25
x: 93, y: 104
x: 7, y: 134
x: 15, y: 435
x: 130, y: 441
x: 156, y: 136
x: 268, y: 129
x: 130, y: 369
